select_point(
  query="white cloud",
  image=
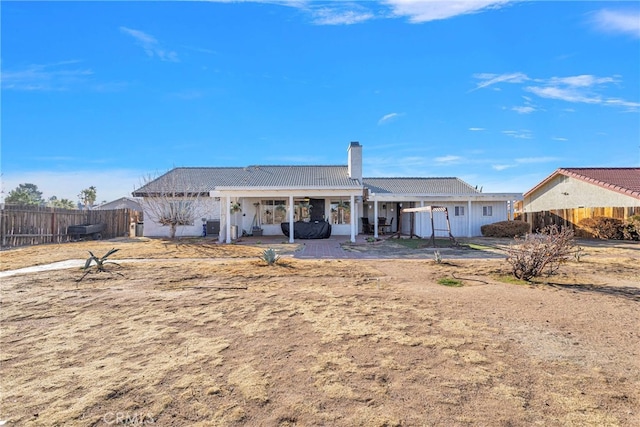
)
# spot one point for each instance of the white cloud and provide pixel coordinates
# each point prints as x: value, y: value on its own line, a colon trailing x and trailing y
x: 564, y: 94
x: 448, y: 159
x: 55, y: 76
x: 559, y: 138
x: 524, y: 109
x: 150, y: 45
x: 518, y: 134
x: 335, y: 16
x: 388, y: 118
x: 488, y: 79
x: 529, y: 160
x: 502, y: 167
x: 582, y: 88
x: 583, y: 80
x: 353, y: 12
x: 618, y: 21
x: 424, y: 10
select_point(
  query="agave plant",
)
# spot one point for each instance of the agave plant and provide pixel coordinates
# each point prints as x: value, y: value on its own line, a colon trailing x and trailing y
x: 270, y: 256
x: 100, y: 262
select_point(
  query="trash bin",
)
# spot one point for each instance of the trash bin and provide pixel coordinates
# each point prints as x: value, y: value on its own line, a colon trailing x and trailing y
x: 234, y: 232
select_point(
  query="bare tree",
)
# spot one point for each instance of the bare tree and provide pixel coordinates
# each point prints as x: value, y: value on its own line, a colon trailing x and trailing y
x: 173, y: 199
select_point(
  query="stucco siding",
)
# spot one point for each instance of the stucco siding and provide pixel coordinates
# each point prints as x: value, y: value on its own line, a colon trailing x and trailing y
x: 209, y: 208
x: 563, y: 192
x: 459, y: 224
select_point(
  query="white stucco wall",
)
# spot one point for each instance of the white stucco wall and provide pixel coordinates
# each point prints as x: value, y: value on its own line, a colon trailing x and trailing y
x: 563, y: 192
x: 209, y: 208
x: 460, y: 225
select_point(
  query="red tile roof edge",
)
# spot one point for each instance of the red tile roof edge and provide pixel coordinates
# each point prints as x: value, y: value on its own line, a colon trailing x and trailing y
x: 602, y: 184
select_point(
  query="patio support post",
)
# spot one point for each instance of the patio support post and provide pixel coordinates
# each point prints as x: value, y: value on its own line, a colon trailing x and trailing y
x: 375, y: 218
x: 354, y: 211
x: 420, y: 218
x: 221, y: 209
x: 291, y: 230
x: 227, y: 224
x: 468, y: 218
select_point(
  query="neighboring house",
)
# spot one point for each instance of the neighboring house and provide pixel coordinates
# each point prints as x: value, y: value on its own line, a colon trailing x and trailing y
x: 570, y: 194
x: 272, y: 195
x: 570, y: 188
x: 121, y: 203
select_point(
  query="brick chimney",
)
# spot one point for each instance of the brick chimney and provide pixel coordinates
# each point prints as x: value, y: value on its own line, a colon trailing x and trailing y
x: 355, y: 161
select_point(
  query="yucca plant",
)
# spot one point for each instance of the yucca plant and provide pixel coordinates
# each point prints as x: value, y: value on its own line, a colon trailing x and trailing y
x: 100, y: 262
x: 270, y: 256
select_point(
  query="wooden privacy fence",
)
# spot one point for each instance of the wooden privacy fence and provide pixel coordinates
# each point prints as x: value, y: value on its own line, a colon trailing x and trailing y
x: 33, y: 225
x: 572, y: 217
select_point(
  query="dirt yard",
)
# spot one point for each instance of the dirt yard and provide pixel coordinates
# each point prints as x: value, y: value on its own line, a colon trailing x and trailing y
x: 199, y: 334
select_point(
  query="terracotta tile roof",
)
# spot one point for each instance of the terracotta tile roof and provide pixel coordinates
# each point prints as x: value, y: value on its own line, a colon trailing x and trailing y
x: 621, y: 180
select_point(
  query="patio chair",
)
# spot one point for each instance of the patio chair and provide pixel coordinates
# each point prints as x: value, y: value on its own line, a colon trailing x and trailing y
x: 367, y: 227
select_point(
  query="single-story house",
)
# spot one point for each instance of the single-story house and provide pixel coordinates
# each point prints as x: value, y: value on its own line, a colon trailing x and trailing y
x: 273, y: 199
x: 571, y: 188
x: 571, y: 194
x: 121, y: 203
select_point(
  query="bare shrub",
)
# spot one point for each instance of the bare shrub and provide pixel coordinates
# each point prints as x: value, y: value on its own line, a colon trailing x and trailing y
x: 602, y: 227
x: 506, y: 229
x: 540, y: 252
x: 631, y: 229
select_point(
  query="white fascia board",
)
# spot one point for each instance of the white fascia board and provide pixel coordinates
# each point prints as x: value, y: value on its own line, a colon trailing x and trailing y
x: 483, y: 197
x: 285, y: 192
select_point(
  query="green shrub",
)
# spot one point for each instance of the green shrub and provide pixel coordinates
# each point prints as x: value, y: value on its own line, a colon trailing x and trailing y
x: 454, y: 283
x: 602, y: 227
x: 506, y: 229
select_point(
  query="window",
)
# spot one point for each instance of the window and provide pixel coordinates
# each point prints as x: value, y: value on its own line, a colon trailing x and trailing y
x: 340, y: 211
x: 487, y: 211
x: 459, y: 211
x: 273, y: 211
x: 302, y: 210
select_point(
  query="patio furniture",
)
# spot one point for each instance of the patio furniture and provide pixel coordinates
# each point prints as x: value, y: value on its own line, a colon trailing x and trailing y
x: 367, y: 227
x: 383, y: 227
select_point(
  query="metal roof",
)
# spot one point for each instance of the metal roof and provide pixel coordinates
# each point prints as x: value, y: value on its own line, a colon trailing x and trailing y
x: 204, y: 179
x: 427, y: 186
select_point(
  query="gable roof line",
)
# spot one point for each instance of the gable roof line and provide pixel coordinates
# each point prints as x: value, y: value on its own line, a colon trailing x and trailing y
x: 603, y: 184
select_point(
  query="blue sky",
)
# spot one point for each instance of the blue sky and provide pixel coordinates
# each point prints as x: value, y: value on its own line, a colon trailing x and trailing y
x: 498, y: 93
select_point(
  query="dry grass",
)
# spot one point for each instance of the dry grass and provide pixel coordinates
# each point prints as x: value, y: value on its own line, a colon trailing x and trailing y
x: 229, y: 341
